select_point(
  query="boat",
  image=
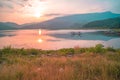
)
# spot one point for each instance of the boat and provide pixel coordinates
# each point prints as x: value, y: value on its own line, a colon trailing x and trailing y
x: 76, y: 33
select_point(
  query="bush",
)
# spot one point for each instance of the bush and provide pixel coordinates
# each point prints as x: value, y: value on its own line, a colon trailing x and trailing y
x: 64, y: 52
x: 111, y: 49
x: 0, y: 53
x: 7, y: 50
x: 99, y: 49
x: 118, y: 51
x: 33, y: 51
x: 79, y: 50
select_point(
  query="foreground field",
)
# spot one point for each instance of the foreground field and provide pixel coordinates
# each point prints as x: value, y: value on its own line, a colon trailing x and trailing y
x: 96, y: 63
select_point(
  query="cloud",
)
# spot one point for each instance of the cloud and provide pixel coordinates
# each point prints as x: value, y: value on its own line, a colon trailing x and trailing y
x: 12, y: 3
x: 52, y: 14
x: 5, y: 4
x: 1, y: 5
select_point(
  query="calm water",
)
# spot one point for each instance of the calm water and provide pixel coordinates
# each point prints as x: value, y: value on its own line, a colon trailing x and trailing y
x: 56, y: 39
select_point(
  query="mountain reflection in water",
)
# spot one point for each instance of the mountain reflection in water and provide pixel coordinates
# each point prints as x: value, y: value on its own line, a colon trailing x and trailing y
x: 56, y: 39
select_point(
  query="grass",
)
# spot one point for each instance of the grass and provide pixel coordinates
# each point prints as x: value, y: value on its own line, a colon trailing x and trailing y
x: 95, y: 63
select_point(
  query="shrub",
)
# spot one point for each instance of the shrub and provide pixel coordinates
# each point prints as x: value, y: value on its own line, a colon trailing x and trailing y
x: 7, y: 50
x: 118, y: 51
x: 64, y: 52
x: 99, y: 49
x: 33, y: 51
x: 0, y: 53
x: 111, y: 49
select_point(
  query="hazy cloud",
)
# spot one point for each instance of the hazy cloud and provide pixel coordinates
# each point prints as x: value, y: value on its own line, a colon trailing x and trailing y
x: 5, y: 3
x: 52, y: 14
x: 12, y: 3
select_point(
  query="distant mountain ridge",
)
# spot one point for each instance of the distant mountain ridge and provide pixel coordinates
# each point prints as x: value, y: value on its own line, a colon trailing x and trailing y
x: 71, y: 21
x: 107, y: 23
x: 8, y: 25
x: 75, y: 21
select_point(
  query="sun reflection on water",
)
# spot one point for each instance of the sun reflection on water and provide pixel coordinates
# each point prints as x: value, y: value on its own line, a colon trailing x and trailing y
x: 40, y: 40
x: 40, y: 33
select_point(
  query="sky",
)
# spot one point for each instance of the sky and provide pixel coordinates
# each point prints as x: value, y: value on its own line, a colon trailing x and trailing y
x: 27, y: 11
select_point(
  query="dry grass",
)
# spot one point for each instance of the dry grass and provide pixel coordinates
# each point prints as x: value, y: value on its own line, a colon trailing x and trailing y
x: 65, y: 64
x: 77, y: 67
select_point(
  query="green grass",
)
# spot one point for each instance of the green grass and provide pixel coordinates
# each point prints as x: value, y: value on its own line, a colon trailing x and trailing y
x: 95, y: 63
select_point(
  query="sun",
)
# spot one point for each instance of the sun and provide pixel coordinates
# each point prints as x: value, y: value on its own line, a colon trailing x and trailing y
x: 37, y: 14
x: 35, y: 8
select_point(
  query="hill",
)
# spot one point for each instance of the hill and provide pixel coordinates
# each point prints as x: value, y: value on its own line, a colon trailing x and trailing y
x: 75, y: 21
x: 8, y: 25
x: 71, y: 21
x: 107, y: 23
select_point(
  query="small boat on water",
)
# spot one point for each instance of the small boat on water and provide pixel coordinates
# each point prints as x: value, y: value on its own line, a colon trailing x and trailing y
x: 76, y: 33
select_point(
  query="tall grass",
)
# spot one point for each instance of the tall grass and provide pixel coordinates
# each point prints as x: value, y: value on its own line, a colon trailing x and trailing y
x: 96, y: 63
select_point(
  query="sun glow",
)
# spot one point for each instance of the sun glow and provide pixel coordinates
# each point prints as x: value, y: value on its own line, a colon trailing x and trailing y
x: 38, y: 15
x: 35, y: 8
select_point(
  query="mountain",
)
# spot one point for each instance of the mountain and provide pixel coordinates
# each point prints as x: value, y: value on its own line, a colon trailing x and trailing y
x: 71, y: 21
x: 75, y: 21
x: 8, y: 25
x: 107, y: 23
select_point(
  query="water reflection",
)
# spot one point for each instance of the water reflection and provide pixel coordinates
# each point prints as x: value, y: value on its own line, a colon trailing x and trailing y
x: 40, y: 40
x: 56, y: 39
x: 40, y: 31
x: 40, y: 34
x: 83, y: 36
x: 6, y: 33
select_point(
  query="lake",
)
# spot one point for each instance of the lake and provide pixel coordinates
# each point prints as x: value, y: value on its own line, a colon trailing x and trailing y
x: 56, y: 39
